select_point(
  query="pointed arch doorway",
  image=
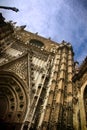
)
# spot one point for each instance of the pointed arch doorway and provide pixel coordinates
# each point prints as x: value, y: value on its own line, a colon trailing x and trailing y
x: 14, y: 101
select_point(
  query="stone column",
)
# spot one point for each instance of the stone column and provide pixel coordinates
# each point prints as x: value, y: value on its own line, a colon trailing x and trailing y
x: 69, y: 92
x: 49, y: 100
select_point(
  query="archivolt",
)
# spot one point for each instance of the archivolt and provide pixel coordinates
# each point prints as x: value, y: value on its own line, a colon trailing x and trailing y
x: 13, y: 98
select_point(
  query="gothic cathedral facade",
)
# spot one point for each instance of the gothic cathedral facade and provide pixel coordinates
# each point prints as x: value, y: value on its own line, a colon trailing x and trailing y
x: 40, y: 88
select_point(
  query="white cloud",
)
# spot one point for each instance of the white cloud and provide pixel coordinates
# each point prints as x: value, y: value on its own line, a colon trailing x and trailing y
x: 59, y: 19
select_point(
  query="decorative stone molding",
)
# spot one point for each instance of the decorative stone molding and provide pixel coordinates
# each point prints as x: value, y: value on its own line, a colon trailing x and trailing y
x: 75, y: 100
x: 14, y: 91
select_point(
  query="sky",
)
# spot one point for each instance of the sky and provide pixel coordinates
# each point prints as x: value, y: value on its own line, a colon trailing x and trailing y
x: 58, y: 19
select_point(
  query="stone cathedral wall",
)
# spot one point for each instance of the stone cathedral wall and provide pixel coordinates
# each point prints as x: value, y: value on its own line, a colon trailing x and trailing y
x: 39, y: 89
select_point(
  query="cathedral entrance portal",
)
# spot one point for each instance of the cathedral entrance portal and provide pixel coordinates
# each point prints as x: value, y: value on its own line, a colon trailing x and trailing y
x: 13, y: 101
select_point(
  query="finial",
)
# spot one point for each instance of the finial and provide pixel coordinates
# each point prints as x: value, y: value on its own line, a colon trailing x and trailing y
x: 23, y: 26
x: 49, y: 38
x: 36, y: 33
x: 76, y: 64
x: 63, y: 41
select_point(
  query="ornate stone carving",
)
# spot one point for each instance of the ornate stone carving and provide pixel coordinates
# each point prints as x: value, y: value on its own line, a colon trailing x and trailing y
x: 84, y: 78
x: 19, y: 67
x: 15, y: 97
x: 75, y: 100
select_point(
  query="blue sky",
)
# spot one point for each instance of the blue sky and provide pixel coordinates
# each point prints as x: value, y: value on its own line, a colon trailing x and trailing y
x: 58, y: 19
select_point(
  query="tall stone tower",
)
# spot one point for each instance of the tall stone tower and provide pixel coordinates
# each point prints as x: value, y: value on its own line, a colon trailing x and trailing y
x: 36, y: 73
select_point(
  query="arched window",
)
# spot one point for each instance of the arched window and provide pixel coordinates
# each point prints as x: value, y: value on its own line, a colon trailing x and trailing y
x: 85, y: 101
x: 36, y: 43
